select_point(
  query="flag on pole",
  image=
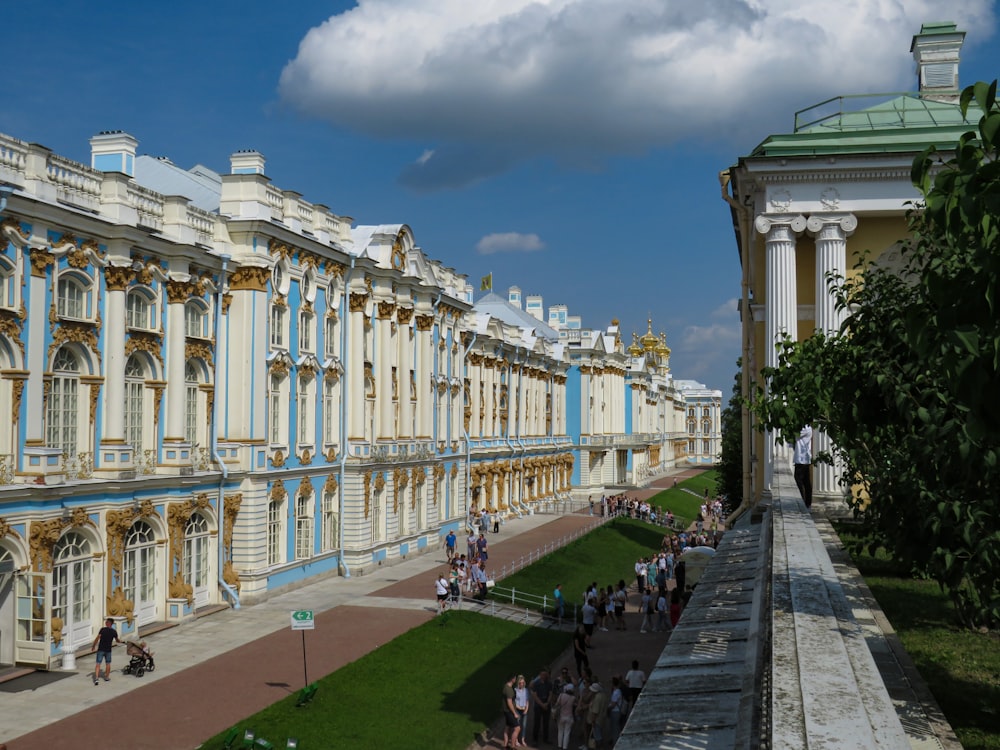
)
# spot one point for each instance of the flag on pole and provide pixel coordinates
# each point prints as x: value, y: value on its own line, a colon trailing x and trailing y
x: 486, y: 285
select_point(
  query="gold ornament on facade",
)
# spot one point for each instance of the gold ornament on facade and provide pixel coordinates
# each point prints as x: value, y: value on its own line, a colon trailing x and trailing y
x: 179, y: 292
x: 278, y: 492
x: 357, y: 302
x: 331, y: 485
x: 278, y: 459
x: 386, y: 309
x: 398, y: 258
x: 40, y: 261
x: 145, y: 341
x: 227, y: 300
x: 367, y: 484
x: 117, y: 278
x: 306, y: 458
x: 75, y: 332
x: 157, y: 401
x: 252, y: 278
x: 379, y: 483
x: 425, y: 323
x: 231, y: 509
x: 280, y: 249
x: 43, y: 535
x: 279, y: 367
x: 305, y: 487
x: 331, y: 454
x: 454, y: 470
x: 10, y: 325
x: 194, y: 349
x: 7, y: 530
x: 404, y: 315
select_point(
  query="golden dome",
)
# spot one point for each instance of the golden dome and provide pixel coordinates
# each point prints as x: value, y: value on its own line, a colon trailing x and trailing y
x: 649, y: 341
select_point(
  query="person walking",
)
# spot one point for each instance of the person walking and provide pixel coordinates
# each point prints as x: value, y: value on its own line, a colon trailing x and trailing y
x: 106, y: 638
x: 635, y: 679
x: 560, y: 602
x: 449, y: 545
x: 443, y: 590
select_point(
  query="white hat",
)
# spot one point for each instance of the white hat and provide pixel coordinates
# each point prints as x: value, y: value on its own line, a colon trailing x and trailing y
x: 596, y: 687
x: 568, y: 688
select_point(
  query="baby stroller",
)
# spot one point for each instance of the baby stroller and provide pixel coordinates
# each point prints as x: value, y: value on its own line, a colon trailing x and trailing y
x: 141, y: 659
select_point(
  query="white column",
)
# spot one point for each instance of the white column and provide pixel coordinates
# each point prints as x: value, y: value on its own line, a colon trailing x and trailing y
x: 116, y: 278
x: 425, y: 367
x: 355, y: 362
x: 176, y: 294
x: 403, y: 336
x: 831, y: 232
x: 475, y: 394
x: 384, y: 356
x: 782, y: 300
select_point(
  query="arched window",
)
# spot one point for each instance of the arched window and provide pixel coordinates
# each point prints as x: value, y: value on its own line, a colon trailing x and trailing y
x: 330, y: 529
x: 71, y: 588
x: 62, y: 406
x: 196, y: 319
x: 139, y: 570
x: 74, y: 297
x: 303, y: 527
x: 275, y: 526
x: 135, y: 387
x: 195, y: 561
x: 192, y: 377
x: 140, y: 309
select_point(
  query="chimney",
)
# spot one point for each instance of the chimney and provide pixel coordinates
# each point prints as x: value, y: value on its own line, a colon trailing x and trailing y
x: 533, y: 306
x: 247, y: 162
x: 113, y: 151
x: 936, y: 51
x: 514, y: 296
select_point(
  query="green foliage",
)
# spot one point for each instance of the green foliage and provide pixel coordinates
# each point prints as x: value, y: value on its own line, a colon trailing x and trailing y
x: 961, y: 667
x: 906, y: 389
x: 730, y: 468
x: 434, y: 686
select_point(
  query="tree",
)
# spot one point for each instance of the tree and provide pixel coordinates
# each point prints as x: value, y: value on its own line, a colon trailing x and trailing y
x: 730, y: 469
x: 907, y: 388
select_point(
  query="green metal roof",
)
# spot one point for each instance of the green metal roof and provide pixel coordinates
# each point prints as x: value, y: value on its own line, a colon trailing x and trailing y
x: 889, y: 123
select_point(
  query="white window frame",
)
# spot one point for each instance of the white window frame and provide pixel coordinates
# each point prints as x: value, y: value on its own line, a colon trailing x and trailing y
x: 196, y: 319
x: 140, y: 309
x: 278, y: 326
x: 80, y: 304
x: 329, y: 520
x: 10, y: 285
x: 303, y: 527
x: 306, y: 336
x: 330, y: 342
x: 135, y: 406
x: 275, y: 531
x: 305, y: 413
x: 278, y: 409
x: 62, y: 411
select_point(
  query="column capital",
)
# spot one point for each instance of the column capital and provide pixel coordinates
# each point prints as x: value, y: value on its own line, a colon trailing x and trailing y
x: 845, y: 221
x: 764, y: 222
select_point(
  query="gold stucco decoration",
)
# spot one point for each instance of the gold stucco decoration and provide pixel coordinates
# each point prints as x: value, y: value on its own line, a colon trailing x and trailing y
x: 231, y: 510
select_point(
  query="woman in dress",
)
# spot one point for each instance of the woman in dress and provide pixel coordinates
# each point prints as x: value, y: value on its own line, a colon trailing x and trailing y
x: 565, y: 705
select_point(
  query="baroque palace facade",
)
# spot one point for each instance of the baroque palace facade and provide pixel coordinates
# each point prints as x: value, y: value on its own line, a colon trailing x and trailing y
x: 810, y: 203
x: 217, y: 396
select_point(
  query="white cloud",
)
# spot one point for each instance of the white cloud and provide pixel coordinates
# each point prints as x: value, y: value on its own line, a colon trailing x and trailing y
x: 499, y: 81
x: 425, y: 156
x: 509, y: 242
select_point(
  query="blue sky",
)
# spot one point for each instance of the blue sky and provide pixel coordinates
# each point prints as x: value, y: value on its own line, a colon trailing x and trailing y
x: 570, y: 147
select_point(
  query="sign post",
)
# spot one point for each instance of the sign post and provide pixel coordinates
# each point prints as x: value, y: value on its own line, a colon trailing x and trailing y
x: 302, y: 619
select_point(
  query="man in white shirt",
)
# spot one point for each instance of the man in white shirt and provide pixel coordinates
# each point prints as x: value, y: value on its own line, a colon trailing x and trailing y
x: 803, y: 463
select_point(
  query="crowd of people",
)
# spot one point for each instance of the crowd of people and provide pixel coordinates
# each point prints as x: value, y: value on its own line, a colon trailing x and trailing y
x: 563, y: 709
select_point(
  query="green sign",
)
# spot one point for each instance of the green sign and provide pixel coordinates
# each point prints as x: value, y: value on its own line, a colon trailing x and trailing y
x: 302, y: 619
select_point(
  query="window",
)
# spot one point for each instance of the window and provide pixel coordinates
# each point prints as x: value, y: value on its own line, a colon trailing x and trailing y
x: 8, y: 284
x: 303, y: 527
x: 195, y: 556
x: 135, y: 377
x: 195, y: 320
x: 330, y: 337
x: 330, y: 530
x: 376, y: 516
x: 305, y: 413
x: 704, y: 412
x: 62, y: 404
x: 307, y: 287
x: 278, y: 320
x: 139, y: 310
x: 706, y: 446
x: 192, y: 377
x: 72, y: 297
x: 278, y: 409
x: 274, y: 513
x: 279, y: 279
x: 329, y: 411
x: 305, y: 332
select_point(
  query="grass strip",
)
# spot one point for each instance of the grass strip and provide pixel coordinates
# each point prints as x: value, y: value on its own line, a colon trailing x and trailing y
x: 432, y: 687
x: 961, y: 667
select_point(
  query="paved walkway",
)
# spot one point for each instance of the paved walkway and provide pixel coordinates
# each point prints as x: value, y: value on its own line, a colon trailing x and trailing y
x: 213, y: 672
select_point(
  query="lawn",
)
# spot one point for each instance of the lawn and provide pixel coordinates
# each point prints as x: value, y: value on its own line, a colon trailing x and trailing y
x: 683, y: 504
x: 961, y: 667
x: 432, y: 687
x: 615, y: 546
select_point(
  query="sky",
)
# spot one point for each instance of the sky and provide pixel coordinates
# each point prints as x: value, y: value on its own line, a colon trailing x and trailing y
x: 569, y: 147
